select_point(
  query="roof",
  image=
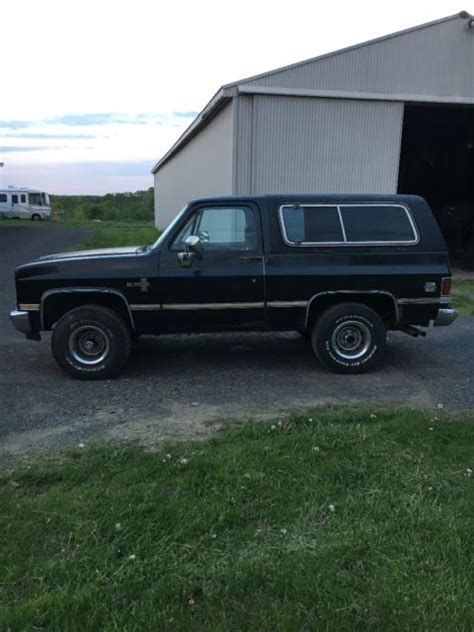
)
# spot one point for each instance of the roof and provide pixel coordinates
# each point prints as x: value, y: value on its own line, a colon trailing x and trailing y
x: 305, y: 197
x: 244, y: 86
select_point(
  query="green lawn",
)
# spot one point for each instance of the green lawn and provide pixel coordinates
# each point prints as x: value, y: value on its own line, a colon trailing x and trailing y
x: 463, y: 297
x: 109, y: 237
x: 335, y: 519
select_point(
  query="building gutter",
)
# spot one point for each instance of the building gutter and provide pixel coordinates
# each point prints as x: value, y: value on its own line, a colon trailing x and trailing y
x: 359, y: 96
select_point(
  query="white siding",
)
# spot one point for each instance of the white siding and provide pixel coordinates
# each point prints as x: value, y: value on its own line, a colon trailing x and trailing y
x: 203, y: 167
x: 318, y: 146
x: 433, y: 60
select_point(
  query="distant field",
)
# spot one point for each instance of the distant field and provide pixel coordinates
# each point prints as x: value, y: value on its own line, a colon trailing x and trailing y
x: 74, y: 223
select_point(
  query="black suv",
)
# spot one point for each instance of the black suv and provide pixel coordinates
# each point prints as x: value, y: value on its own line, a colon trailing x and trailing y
x: 340, y: 269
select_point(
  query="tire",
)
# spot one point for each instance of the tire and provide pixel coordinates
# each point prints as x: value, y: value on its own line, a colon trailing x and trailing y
x: 349, y: 338
x: 35, y: 217
x: 91, y: 343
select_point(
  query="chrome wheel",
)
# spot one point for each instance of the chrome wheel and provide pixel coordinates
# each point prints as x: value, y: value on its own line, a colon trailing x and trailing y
x: 351, y: 340
x: 89, y: 345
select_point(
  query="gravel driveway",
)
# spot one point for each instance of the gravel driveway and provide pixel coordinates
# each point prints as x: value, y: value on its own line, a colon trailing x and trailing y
x: 175, y: 384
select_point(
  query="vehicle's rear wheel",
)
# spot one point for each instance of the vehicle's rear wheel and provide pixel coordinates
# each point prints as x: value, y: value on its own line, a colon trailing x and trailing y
x: 91, y: 343
x: 36, y: 217
x: 349, y: 338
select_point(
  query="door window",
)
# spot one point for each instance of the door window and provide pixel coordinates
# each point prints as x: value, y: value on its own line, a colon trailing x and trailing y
x: 14, y: 199
x: 222, y: 228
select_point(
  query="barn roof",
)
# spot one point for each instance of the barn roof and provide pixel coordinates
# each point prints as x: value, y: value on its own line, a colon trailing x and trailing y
x: 395, y: 67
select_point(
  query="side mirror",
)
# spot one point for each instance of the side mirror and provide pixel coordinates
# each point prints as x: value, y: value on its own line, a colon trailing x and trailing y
x: 193, y: 244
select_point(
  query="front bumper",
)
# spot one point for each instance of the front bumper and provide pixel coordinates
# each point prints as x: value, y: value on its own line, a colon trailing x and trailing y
x: 22, y: 322
x: 445, y: 316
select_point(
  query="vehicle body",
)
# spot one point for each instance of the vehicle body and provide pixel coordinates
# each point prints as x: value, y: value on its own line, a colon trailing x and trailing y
x: 22, y: 203
x: 341, y: 269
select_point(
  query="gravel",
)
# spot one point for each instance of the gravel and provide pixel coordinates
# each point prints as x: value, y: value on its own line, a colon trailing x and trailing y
x: 177, y: 386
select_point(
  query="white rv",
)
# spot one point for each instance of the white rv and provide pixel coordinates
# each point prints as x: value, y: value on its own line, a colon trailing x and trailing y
x: 23, y: 203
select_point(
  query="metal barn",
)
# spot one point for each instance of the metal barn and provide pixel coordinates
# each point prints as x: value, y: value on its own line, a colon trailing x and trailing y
x: 392, y: 114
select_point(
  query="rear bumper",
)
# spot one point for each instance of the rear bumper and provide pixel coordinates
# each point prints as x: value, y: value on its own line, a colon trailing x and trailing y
x: 445, y: 316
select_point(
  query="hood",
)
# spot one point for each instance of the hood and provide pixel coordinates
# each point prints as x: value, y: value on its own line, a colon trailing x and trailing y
x: 84, y: 254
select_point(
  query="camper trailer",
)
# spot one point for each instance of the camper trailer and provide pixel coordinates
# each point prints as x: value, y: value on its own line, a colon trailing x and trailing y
x: 22, y: 203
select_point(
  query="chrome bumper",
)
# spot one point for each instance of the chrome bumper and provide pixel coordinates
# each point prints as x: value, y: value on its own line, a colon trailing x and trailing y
x: 21, y: 320
x: 445, y: 316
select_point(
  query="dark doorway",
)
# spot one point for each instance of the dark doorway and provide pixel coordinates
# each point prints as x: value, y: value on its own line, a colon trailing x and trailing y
x: 437, y: 162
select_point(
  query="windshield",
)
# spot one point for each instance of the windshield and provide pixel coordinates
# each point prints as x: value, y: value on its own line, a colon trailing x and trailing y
x: 46, y: 201
x: 170, y: 228
x: 35, y: 199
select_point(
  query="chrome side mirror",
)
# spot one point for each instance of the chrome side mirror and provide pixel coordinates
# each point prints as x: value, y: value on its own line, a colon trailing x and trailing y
x: 186, y: 259
x: 193, y: 244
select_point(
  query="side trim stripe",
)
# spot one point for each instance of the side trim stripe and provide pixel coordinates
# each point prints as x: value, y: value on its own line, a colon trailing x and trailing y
x: 257, y: 305
x: 419, y: 301
x: 29, y: 307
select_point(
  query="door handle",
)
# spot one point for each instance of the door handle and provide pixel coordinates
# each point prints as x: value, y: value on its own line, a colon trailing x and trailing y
x: 251, y: 258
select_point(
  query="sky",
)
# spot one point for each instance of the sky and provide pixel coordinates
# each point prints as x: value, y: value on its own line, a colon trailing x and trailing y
x: 94, y: 92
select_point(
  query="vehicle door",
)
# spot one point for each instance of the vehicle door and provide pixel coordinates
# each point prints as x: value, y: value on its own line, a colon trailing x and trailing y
x: 211, y: 273
x: 4, y: 206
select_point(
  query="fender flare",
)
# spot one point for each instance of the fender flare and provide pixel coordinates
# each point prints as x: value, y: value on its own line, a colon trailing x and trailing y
x: 349, y: 293
x: 85, y: 290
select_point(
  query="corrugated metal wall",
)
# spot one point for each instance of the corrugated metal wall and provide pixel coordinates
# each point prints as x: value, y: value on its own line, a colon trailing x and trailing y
x: 203, y: 167
x: 436, y: 60
x: 296, y: 144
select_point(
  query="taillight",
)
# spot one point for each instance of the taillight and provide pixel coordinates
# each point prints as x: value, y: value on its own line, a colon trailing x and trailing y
x: 446, y: 286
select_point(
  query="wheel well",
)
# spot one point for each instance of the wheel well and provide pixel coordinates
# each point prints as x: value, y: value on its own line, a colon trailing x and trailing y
x: 384, y: 304
x: 57, y: 304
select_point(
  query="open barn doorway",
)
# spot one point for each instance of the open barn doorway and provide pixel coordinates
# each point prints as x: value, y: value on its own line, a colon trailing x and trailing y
x: 437, y: 162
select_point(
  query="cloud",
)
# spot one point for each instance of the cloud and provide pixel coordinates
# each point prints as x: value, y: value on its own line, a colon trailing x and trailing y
x: 18, y: 148
x: 190, y: 115
x: 101, y: 118
x: 82, y: 119
x: 15, y: 124
x: 40, y: 136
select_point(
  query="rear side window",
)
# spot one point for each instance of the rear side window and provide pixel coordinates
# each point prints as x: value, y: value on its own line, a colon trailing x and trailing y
x: 382, y: 223
x: 347, y: 224
x: 312, y: 224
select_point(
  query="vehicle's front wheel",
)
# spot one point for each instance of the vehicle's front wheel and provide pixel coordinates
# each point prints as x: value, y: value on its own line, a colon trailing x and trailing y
x: 36, y: 217
x: 91, y: 343
x: 349, y: 338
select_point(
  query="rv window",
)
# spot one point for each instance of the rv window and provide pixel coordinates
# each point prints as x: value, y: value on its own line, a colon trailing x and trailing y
x: 14, y: 199
x: 3, y: 197
x: 35, y: 199
x: 23, y: 198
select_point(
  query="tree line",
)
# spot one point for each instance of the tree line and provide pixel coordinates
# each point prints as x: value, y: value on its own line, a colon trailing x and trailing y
x: 124, y: 207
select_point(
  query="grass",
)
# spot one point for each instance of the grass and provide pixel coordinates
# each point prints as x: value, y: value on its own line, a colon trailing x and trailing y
x: 69, y: 223
x: 463, y: 297
x: 336, y: 519
x: 109, y: 237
